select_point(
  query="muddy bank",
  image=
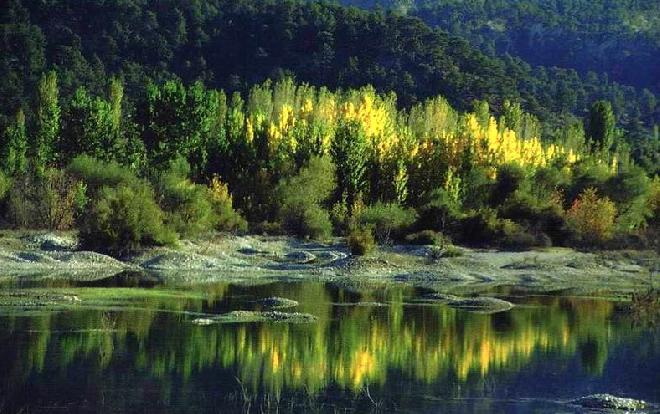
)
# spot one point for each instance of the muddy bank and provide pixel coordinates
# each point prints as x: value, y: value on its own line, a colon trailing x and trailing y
x: 41, y: 257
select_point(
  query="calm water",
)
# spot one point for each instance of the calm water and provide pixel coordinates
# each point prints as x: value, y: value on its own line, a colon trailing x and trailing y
x: 143, y: 354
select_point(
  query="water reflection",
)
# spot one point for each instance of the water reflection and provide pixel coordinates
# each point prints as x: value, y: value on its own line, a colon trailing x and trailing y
x: 149, y: 344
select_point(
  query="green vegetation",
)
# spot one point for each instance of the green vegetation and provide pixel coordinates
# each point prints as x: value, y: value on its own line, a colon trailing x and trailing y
x: 504, y: 158
x: 617, y: 38
x: 361, y: 240
x: 310, y: 162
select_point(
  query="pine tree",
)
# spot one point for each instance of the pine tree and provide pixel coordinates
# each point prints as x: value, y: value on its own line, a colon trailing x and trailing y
x: 600, y: 126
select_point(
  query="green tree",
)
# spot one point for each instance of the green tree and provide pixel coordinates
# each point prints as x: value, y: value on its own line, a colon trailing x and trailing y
x: 600, y: 126
x: 47, y: 121
x: 14, y: 147
x: 89, y: 128
x: 180, y: 122
x: 349, y: 153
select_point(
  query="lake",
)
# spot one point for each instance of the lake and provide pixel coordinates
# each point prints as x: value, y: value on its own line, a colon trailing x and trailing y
x: 372, y: 349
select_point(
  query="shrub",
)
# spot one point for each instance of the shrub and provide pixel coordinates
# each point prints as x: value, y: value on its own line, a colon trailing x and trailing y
x: 481, y: 227
x: 300, y: 200
x: 440, y: 213
x: 267, y: 228
x: 46, y: 201
x: 539, y: 216
x: 451, y: 251
x: 307, y: 221
x: 97, y: 174
x: 592, y: 217
x: 630, y: 190
x: 510, y: 179
x: 227, y: 219
x: 187, y: 206
x: 514, y: 236
x: 361, y: 241
x: 386, y: 220
x: 427, y: 238
x: 124, y: 219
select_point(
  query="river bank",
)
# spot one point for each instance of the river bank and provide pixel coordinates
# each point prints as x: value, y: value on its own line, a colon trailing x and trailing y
x: 32, y: 258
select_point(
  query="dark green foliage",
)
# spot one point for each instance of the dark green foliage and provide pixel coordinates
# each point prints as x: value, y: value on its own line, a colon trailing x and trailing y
x: 586, y: 175
x: 310, y: 221
x: 13, y: 146
x: 90, y: 128
x: 167, y: 135
x: 188, y: 207
x: 598, y: 36
x: 440, y: 213
x: 510, y: 178
x: 630, y: 190
x: 600, y: 126
x: 48, y: 114
x: 98, y: 174
x: 301, y: 200
x: 124, y: 219
x: 361, y: 241
x: 348, y: 153
x: 388, y: 221
x: 330, y: 45
x: 427, y: 238
x: 542, y: 218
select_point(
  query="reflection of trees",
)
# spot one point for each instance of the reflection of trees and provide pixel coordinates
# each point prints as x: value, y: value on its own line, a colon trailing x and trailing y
x: 349, y: 346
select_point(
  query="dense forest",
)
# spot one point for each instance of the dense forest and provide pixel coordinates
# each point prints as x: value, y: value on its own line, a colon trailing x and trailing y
x: 139, y: 122
x: 620, y: 38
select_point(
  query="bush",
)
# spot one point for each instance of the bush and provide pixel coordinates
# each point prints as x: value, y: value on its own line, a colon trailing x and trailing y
x: 427, y: 238
x: 50, y: 200
x: 227, y: 219
x: 124, y: 219
x: 386, y: 220
x: 267, y: 228
x: 480, y: 228
x: 300, y: 200
x: 440, y: 213
x: 592, y: 217
x: 630, y: 190
x: 187, y: 206
x: 510, y: 179
x: 97, y: 174
x: 540, y: 217
x: 307, y: 221
x: 361, y: 241
x: 451, y: 251
x: 517, y: 237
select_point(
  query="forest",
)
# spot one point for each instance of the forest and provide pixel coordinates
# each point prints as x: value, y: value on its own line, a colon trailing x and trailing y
x: 138, y: 123
x: 619, y: 38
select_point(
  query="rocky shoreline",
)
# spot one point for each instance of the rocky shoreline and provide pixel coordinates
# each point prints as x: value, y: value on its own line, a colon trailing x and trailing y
x: 227, y: 257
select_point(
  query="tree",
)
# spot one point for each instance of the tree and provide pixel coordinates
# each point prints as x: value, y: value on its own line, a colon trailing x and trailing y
x: 600, y: 126
x: 47, y: 121
x: 13, y: 158
x: 349, y: 153
x: 89, y: 128
x: 592, y: 217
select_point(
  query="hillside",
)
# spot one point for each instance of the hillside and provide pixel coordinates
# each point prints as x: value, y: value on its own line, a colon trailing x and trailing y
x: 619, y: 38
x: 233, y: 44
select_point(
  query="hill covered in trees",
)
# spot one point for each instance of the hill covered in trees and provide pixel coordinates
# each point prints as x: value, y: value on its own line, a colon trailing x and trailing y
x: 233, y: 44
x: 620, y: 38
